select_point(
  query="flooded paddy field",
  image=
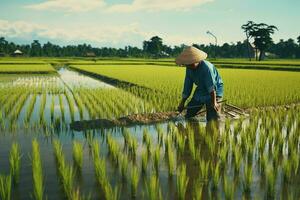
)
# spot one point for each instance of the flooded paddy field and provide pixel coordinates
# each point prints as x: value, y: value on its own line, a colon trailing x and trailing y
x: 41, y: 157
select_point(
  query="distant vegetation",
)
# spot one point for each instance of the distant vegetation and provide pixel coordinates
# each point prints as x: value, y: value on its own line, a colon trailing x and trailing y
x: 155, y: 48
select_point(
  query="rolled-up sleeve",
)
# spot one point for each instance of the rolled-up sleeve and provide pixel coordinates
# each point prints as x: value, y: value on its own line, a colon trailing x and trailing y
x: 188, y: 86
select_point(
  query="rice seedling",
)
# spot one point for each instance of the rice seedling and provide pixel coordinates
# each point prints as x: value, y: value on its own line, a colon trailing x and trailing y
x: 182, y: 182
x: 204, y: 169
x: 223, y: 152
x: 147, y: 140
x: 270, y: 181
x: 58, y: 151
x: 62, y: 108
x: 126, y: 136
x: 80, y: 105
x: 42, y: 108
x: 180, y: 143
x: 15, y: 162
x: 114, y: 149
x: 95, y: 149
x: 153, y: 189
x: 156, y: 159
x: 71, y: 105
x: 228, y: 188
x: 237, y: 159
x: 144, y: 161
x: 216, y: 176
x: 134, y: 180
x: 159, y: 134
x: 100, y: 172
x: 191, y: 143
x: 248, y: 178
x: 295, y: 161
x: 171, y: 160
x: 287, y: 170
x: 198, y: 189
x: 37, y: 171
x: 110, y: 193
x: 52, y: 108
x: 5, y: 187
x: 123, y: 167
x: 130, y: 142
x: 77, y: 154
x: 67, y: 178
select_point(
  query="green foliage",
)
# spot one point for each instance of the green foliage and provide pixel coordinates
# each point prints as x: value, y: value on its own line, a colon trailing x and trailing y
x: 5, y: 187
x: 15, y: 162
x: 77, y: 154
x: 248, y: 178
x: 156, y: 159
x: 37, y: 172
x: 182, y: 182
x: 135, y: 175
x: 144, y: 161
x: 153, y: 191
x: 252, y: 92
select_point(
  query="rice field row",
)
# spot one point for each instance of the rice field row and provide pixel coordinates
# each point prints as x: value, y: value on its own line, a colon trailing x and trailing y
x: 27, y: 68
x: 246, y: 88
x: 256, y: 159
x: 250, y: 158
x: 44, y: 104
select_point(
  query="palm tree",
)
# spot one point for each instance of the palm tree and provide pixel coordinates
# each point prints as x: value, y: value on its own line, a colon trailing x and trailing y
x: 248, y: 27
x: 262, y: 37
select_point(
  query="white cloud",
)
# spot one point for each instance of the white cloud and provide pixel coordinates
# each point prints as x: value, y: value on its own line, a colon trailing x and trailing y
x: 68, y: 5
x: 113, y: 35
x: 188, y: 40
x: 108, y: 35
x: 136, y: 5
x: 157, y: 5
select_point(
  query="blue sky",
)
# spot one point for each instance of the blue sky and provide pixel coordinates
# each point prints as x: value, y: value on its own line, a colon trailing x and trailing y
x: 128, y: 22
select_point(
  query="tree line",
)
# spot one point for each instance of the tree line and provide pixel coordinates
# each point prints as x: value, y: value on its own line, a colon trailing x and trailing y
x: 258, y: 44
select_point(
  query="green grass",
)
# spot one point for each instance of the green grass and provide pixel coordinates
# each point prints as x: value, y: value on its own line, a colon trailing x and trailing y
x: 25, y: 68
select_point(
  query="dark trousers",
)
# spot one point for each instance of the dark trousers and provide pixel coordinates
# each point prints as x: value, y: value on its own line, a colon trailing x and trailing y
x: 195, y: 106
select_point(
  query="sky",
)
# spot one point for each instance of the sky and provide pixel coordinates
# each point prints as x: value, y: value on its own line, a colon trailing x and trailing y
x: 117, y: 23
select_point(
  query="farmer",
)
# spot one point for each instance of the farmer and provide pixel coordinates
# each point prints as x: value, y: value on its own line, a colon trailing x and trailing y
x: 209, y: 83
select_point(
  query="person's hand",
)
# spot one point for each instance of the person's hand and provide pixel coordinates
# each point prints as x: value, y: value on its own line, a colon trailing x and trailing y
x: 180, y: 106
x: 216, y: 106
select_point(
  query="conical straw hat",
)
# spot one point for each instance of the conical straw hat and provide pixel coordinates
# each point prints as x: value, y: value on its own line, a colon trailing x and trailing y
x: 190, y: 55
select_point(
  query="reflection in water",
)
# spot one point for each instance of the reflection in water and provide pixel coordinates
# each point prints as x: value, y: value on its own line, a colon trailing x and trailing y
x: 75, y: 79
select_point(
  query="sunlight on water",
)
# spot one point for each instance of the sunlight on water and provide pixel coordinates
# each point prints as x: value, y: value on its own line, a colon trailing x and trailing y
x: 74, y: 79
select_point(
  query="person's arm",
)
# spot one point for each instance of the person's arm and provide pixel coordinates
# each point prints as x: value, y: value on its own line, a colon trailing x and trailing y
x: 214, y: 102
x: 187, y: 89
x: 210, y: 86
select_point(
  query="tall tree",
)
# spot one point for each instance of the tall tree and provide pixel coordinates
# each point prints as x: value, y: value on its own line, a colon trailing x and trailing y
x: 154, y: 46
x: 262, y: 37
x: 3, y: 45
x: 248, y: 27
x: 298, y: 40
x: 36, y: 48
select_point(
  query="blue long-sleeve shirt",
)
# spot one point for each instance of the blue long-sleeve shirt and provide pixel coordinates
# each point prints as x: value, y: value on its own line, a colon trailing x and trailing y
x: 207, y: 79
